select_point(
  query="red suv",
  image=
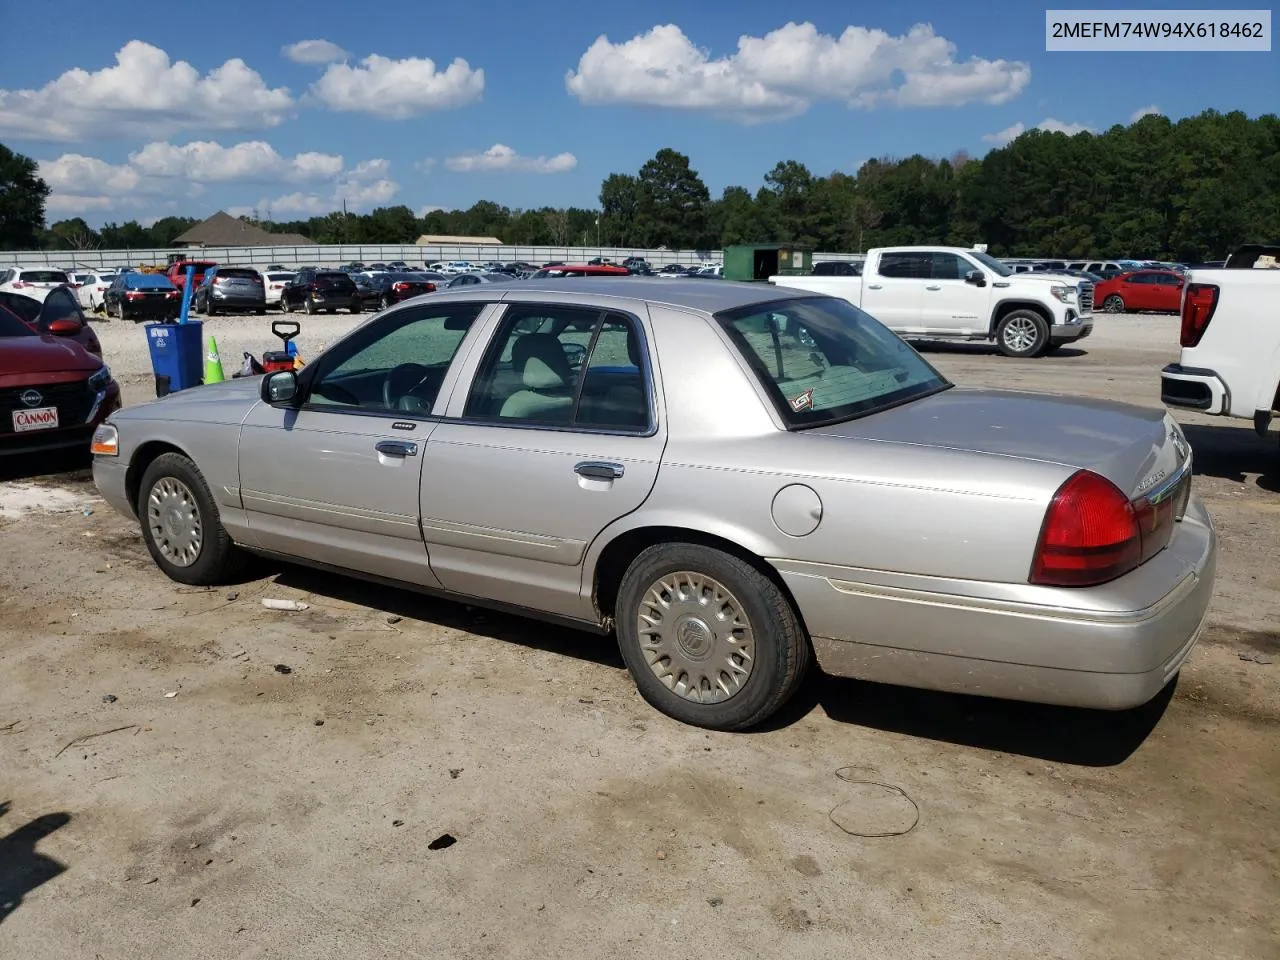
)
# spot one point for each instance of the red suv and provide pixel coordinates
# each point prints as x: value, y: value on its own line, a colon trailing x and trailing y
x: 53, y: 392
x: 177, y: 272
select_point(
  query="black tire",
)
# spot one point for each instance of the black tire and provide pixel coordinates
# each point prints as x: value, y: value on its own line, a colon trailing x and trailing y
x: 308, y: 307
x: 781, y: 655
x: 1022, y: 333
x: 384, y: 303
x: 209, y: 311
x: 261, y: 311
x: 218, y: 559
x: 1114, y: 304
x: 357, y: 307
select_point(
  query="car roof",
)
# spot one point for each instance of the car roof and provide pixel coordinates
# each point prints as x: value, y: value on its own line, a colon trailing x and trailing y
x: 691, y: 294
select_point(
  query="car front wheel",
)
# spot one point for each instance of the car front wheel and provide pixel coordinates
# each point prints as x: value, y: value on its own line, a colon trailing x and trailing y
x: 180, y: 524
x: 1113, y: 304
x: 709, y: 639
x: 1022, y: 333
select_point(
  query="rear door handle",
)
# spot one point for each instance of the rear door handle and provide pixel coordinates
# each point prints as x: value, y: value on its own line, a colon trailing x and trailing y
x: 599, y: 470
x: 396, y: 448
x: 873, y: 286
x: 935, y: 287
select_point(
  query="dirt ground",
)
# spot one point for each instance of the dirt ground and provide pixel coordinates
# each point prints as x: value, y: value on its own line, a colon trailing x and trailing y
x: 185, y: 774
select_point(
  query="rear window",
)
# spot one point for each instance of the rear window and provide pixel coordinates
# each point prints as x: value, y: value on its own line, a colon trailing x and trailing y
x: 43, y: 276
x: 279, y: 277
x: 148, y: 281
x: 11, y: 326
x: 822, y: 360
x: 239, y: 273
x: 335, y: 279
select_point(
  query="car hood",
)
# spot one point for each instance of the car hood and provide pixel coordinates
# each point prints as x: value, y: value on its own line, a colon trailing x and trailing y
x: 226, y: 402
x: 1053, y: 278
x: 1133, y: 447
x: 45, y: 354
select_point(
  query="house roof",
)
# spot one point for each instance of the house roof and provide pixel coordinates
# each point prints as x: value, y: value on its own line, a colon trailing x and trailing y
x: 432, y: 239
x: 224, y: 230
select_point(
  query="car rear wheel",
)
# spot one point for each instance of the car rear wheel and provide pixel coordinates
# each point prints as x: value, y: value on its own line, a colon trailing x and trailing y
x: 1114, y: 304
x: 180, y: 524
x: 357, y: 307
x: 384, y: 303
x: 1022, y: 333
x: 709, y: 639
x: 308, y: 306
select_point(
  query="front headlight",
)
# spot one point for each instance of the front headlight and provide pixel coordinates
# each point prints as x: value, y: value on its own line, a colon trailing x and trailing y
x: 106, y: 441
x: 100, y: 379
x: 1063, y: 293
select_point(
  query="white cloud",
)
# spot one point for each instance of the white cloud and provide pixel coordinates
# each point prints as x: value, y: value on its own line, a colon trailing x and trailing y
x: 211, y: 162
x: 502, y: 157
x: 314, y: 51
x: 1144, y: 112
x: 143, y: 93
x: 1048, y: 124
x: 423, y: 211
x: 80, y: 184
x: 396, y: 89
x: 426, y: 165
x: 782, y: 73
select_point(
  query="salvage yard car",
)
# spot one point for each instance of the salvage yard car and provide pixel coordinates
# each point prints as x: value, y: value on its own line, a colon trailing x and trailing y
x: 946, y: 293
x: 142, y: 296
x: 736, y: 478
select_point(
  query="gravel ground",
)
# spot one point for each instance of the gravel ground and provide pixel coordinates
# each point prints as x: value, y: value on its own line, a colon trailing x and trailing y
x: 186, y: 774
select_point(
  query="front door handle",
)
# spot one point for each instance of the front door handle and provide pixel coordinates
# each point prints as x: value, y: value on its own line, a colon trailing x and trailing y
x: 873, y: 286
x: 598, y: 470
x: 934, y: 287
x: 396, y: 448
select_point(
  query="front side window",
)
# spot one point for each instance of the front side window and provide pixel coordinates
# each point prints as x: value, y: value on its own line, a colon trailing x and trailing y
x: 822, y: 360
x: 564, y: 366
x: 395, y: 366
x: 948, y: 266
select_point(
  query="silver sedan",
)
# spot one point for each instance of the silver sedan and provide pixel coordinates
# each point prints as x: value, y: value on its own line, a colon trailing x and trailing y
x: 735, y: 479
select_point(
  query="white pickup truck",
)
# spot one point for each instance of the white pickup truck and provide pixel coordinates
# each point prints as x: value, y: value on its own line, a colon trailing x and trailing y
x: 948, y: 293
x: 1230, y: 361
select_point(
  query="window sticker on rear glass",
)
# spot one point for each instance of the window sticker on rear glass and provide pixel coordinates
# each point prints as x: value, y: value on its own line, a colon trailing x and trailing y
x: 803, y: 401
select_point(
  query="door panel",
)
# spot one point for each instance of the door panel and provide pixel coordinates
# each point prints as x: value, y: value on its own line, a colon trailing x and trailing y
x: 951, y: 305
x: 540, y: 455
x: 892, y: 292
x: 339, y: 479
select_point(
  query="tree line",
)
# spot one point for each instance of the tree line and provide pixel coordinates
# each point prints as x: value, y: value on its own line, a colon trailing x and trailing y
x: 1189, y: 190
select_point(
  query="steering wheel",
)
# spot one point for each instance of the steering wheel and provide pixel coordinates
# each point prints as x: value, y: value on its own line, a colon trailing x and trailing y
x: 399, y: 384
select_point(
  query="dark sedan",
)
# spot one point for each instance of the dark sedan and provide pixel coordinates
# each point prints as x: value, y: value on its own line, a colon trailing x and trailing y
x: 315, y: 290
x: 142, y: 296
x: 386, y: 289
x: 53, y: 392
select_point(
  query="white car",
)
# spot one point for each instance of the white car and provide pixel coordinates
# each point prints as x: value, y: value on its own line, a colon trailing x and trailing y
x: 274, y: 281
x: 33, y: 282
x: 1230, y: 360
x: 92, y: 286
x: 459, y: 266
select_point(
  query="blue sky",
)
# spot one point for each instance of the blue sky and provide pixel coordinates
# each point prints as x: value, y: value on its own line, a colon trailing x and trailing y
x: 555, y: 109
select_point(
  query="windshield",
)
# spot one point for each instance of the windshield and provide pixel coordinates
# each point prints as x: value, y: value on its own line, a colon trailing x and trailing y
x: 43, y: 276
x: 822, y: 360
x: 990, y: 262
x: 11, y: 326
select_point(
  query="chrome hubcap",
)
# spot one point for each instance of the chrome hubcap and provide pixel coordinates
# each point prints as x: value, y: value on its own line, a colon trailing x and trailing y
x: 696, y: 637
x: 1020, y: 334
x: 1114, y: 305
x: 173, y: 516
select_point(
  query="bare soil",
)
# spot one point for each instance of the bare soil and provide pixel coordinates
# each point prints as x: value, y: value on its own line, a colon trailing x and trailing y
x: 291, y: 799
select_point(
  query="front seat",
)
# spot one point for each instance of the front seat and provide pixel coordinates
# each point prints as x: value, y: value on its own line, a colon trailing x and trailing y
x: 547, y: 377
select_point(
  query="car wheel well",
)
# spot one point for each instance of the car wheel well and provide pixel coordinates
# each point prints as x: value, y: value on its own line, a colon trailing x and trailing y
x: 142, y: 459
x: 618, y: 555
x: 1008, y: 306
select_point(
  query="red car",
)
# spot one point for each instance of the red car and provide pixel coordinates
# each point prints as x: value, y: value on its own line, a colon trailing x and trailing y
x: 60, y: 315
x: 53, y: 392
x: 582, y: 270
x: 177, y: 272
x: 1140, y: 290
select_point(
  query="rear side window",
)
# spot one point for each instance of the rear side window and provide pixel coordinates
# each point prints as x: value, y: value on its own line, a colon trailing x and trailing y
x: 43, y: 276
x: 906, y: 266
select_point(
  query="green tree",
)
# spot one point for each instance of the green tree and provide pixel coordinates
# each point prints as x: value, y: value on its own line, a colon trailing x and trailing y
x: 130, y: 235
x: 73, y: 234
x: 620, y: 202
x: 673, y: 203
x: 22, y: 197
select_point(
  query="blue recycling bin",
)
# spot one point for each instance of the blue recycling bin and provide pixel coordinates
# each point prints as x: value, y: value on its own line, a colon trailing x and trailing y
x: 177, y: 357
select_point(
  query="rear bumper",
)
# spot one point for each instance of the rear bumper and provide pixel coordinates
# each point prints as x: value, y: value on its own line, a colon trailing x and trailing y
x: 1115, y: 646
x: 238, y: 303
x: 150, y: 310
x: 334, y: 301
x: 1194, y: 388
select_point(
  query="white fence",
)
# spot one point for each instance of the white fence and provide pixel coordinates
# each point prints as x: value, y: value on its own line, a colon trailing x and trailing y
x: 316, y: 255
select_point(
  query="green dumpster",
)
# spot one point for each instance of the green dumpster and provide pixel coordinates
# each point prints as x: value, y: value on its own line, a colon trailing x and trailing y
x: 760, y: 261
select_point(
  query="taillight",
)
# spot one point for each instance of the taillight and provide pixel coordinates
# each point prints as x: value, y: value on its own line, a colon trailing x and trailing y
x: 1090, y: 535
x: 431, y: 288
x: 1199, y: 301
x: 22, y: 284
x: 171, y: 293
x: 133, y: 295
x: 400, y: 287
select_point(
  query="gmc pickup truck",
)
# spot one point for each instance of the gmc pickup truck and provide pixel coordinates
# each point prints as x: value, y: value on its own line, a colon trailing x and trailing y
x: 1230, y: 361
x: 947, y: 293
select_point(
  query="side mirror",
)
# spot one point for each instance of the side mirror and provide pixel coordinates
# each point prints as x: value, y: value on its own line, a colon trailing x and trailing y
x: 279, y: 388
x: 65, y: 327
x: 976, y: 277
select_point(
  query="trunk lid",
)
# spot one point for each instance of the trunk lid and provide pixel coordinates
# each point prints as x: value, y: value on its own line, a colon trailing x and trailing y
x: 1136, y: 448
